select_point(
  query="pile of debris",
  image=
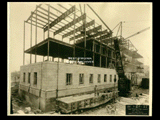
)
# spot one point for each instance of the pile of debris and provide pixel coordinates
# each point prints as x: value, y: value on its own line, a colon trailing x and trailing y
x: 28, y: 110
x: 142, y: 99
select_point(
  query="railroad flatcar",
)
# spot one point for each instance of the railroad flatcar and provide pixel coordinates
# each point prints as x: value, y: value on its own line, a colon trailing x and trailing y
x: 76, y: 103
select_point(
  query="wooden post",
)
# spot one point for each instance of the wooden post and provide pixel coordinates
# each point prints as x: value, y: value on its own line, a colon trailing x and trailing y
x: 48, y: 33
x: 31, y: 40
x: 24, y: 45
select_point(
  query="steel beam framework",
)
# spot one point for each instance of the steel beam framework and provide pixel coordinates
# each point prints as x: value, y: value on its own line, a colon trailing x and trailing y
x: 43, y: 17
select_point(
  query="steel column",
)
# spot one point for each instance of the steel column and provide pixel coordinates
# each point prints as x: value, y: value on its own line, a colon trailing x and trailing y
x: 84, y: 33
x: 100, y: 59
x: 93, y: 52
x: 48, y: 33
x: 31, y: 40
x: 24, y: 45
x: 74, y: 35
x: 36, y: 37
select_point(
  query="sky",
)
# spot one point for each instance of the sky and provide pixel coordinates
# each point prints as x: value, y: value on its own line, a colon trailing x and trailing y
x: 135, y: 17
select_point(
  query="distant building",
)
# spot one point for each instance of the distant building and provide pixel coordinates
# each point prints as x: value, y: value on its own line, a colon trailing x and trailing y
x: 146, y: 71
x: 15, y: 78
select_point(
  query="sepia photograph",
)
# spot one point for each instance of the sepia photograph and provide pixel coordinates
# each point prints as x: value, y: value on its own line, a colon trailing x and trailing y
x: 79, y: 58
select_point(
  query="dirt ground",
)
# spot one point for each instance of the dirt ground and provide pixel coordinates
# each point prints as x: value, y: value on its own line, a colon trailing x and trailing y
x: 101, y: 110
x: 138, y: 91
x: 19, y: 104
